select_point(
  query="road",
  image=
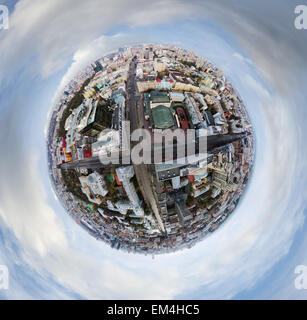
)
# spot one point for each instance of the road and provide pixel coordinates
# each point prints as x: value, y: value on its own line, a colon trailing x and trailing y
x: 93, y: 163
x: 169, y: 152
x: 141, y: 170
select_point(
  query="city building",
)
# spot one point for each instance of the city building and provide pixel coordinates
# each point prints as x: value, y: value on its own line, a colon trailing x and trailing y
x: 95, y: 121
x: 124, y: 175
x: 94, y: 187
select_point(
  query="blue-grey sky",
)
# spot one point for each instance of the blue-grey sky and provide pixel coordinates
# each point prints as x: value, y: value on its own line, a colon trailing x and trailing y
x: 254, y: 254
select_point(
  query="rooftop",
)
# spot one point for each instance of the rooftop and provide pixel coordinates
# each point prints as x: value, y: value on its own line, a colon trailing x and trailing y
x: 159, y: 99
x: 162, y: 117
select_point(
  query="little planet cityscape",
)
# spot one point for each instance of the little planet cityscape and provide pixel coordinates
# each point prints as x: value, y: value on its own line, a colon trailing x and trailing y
x: 175, y: 199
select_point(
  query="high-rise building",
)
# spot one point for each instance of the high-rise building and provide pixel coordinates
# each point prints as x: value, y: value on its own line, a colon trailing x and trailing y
x: 124, y: 175
x: 97, y: 66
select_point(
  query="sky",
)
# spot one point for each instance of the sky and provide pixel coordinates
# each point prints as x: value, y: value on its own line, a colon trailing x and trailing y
x: 255, y: 252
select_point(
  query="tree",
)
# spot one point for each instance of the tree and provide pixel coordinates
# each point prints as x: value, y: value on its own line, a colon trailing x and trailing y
x: 71, y: 105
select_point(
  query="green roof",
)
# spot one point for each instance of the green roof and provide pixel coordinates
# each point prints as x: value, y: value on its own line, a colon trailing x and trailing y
x: 162, y: 117
x: 110, y: 176
x: 159, y: 99
x: 158, y: 93
x: 157, y: 96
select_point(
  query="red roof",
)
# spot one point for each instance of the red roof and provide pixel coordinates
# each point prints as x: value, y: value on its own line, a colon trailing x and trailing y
x: 98, y: 74
x: 87, y: 152
x: 182, y: 119
x: 117, y: 180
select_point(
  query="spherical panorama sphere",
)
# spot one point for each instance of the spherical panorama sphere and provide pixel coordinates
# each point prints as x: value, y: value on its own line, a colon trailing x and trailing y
x: 150, y: 148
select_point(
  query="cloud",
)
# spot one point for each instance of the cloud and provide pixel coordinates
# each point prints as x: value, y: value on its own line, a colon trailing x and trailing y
x: 96, y: 49
x: 240, y: 57
x: 48, y: 33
